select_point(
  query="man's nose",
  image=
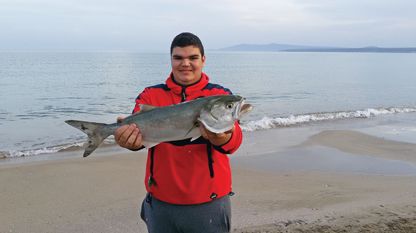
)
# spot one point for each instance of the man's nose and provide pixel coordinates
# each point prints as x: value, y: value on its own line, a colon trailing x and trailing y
x: 186, y: 62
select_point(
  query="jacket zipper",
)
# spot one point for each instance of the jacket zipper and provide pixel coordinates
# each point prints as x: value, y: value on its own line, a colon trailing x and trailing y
x: 183, y: 94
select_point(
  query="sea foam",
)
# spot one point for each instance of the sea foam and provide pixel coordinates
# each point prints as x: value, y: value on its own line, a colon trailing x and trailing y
x: 269, y: 123
x: 38, y: 151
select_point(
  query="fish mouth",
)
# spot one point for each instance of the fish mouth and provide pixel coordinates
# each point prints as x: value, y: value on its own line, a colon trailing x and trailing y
x: 246, y: 108
x: 242, y: 109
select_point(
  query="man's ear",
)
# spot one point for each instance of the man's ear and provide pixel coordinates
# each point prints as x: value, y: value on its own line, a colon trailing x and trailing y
x: 203, y: 59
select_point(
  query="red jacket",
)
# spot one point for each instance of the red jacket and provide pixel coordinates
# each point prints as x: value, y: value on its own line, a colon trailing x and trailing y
x: 185, y: 172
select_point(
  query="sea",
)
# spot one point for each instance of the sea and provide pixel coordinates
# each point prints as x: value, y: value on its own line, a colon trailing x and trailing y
x: 40, y: 90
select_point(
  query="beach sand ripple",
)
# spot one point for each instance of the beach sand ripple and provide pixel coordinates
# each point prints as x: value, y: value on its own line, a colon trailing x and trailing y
x: 382, y: 219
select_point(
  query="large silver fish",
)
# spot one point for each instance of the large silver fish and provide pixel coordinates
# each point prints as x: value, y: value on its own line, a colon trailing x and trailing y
x: 171, y: 123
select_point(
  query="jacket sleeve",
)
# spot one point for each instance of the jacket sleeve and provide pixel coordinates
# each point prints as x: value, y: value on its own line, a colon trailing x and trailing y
x: 142, y: 98
x: 234, y: 143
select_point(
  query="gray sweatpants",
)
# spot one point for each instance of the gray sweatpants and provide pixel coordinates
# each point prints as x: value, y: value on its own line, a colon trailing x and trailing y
x: 211, y: 217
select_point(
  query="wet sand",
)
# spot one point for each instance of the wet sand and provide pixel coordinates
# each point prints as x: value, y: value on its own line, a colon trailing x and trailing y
x: 359, y: 143
x: 103, y: 193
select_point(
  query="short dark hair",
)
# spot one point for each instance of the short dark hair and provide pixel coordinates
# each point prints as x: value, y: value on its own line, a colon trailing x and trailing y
x: 186, y: 39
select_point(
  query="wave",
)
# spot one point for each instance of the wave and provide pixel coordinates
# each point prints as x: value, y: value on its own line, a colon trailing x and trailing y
x: 38, y: 151
x: 292, y: 120
x: 51, y: 149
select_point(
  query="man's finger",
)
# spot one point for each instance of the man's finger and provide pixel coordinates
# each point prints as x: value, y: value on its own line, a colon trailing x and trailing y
x: 138, y: 142
x: 230, y: 131
x: 126, y: 134
x: 203, y: 131
x: 132, y: 137
x: 119, y: 132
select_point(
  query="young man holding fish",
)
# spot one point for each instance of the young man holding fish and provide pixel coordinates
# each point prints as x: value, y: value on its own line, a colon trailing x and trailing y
x: 188, y: 181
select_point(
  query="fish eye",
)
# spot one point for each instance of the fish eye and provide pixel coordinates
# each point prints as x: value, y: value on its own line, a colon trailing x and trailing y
x: 229, y: 106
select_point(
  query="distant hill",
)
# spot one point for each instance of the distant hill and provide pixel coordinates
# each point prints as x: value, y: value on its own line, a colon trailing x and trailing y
x: 302, y: 48
x: 266, y: 47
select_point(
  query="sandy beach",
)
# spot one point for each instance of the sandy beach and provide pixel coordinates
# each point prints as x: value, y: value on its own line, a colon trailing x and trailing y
x: 285, y: 187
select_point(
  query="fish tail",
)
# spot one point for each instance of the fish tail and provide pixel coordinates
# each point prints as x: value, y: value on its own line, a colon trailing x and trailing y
x: 96, y: 132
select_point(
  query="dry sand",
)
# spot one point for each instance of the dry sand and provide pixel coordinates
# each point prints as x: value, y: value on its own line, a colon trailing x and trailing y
x: 103, y: 193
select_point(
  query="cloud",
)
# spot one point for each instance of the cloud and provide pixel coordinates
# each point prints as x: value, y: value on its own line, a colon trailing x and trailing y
x: 138, y: 24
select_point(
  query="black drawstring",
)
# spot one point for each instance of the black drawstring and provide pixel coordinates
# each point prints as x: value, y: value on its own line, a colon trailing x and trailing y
x: 210, y: 161
x: 151, y: 180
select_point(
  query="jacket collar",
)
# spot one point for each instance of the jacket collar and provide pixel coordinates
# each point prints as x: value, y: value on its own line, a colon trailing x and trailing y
x: 177, y: 88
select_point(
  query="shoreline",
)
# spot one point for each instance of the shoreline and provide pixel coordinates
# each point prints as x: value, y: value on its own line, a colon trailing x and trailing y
x: 308, y: 120
x: 103, y: 192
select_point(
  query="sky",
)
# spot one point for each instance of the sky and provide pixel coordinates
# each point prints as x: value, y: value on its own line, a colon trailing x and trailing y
x: 151, y: 25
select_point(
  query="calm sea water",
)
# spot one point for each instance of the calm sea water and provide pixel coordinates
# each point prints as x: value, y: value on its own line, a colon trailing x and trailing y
x: 41, y: 90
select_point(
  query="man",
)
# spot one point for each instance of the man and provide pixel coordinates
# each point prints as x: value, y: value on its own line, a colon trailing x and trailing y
x: 188, y: 183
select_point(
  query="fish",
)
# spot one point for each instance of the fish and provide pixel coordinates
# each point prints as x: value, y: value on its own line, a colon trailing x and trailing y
x: 171, y: 123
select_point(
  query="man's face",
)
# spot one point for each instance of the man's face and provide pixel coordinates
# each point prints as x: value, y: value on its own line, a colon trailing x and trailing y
x: 187, y: 63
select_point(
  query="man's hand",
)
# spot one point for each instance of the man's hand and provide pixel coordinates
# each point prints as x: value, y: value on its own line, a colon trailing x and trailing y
x: 128, y: 136
x: 216, y: 139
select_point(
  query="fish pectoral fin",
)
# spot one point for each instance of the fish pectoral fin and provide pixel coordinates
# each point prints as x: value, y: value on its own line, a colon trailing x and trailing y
x: 145, y: 108
x: 195, y: 126
x: 194, y: 132
x: 194, y: 138
x: 149, y: 144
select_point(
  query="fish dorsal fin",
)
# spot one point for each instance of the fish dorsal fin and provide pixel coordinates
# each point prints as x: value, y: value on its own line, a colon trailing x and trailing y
x: 145, y: 108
